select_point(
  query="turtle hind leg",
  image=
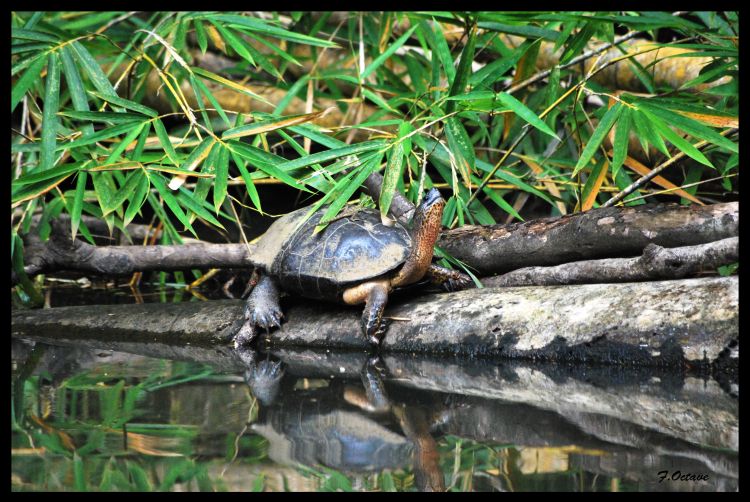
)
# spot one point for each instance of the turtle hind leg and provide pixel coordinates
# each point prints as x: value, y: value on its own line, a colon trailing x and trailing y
x: 262, y: 308
x: 375, y: 296
x: 450, y: 280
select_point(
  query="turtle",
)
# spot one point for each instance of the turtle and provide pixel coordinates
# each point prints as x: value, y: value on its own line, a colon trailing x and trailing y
x: 357, y: 258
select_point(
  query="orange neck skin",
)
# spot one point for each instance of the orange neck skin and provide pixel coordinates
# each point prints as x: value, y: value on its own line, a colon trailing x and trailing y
x: 425, y: 234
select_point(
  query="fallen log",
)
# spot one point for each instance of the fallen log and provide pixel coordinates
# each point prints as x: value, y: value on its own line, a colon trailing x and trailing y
x: 667, y: 323
x: 656, y: 263
x: 599, y: 233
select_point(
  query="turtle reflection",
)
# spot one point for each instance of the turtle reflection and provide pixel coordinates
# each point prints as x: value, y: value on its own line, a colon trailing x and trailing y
x: 363, y: 432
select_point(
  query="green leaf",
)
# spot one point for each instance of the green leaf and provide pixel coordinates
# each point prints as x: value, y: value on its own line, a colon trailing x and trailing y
x: 220, y: 182
x: 198, y: 154
x: 107, y: 133
x: 690, y: 126
x: 95, y: 73
x: 525, y: 113
x: 126, y: 103
x: 251, y: 190
x: 75, y: 210
x: 234, y: 42
x: 39, y: 175
x: 578, y: 42
x: 461, y: 147
x: 206, y: 92
x: 495, y: 70
x: 464, y: 70
x: 678, y: 141
x: 440, y: 49
x: 646, y: 133
x: 371, y: 164
x: 49, y: 116
x: 137, y: 200
x: 73, y: 79
x: 108, y: 117
x: 387, y: 53
x: 25, y: 82
x: 161, y: 133
x: 159, y: 183
x: 621, y: 140
x: 598, y: 136
x: 524, y: 30
x: 334, y: 153
x: 395, y: 167
x: 200, y: 35
x: 257, y: 159
x: 38, y: 36
x: 260, y: 26
x: 120, y: 147
x: 79, y: 475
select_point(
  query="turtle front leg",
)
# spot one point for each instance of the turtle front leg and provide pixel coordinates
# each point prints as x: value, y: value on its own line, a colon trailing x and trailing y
x: 374, y: 294
x: 262, y: 308
x: 450, y: 280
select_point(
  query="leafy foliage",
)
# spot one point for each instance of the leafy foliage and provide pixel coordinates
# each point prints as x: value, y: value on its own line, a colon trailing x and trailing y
x: 184, y: 114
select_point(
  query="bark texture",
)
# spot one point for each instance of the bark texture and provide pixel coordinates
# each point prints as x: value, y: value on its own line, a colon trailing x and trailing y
x: 598, y: 233
x: 667, y: 323
x: 655, y: 263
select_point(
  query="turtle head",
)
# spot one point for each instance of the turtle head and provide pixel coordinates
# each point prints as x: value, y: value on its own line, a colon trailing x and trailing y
x: 425, y: 231
x: 430, y: 211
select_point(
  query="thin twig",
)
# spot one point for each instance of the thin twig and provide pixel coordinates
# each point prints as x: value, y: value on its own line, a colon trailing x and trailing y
x: 661, y: 167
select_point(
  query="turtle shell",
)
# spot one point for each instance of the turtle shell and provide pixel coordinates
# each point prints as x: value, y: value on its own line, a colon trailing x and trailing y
x: 350, y: 250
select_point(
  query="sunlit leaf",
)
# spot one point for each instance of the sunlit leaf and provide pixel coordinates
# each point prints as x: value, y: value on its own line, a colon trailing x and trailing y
x: 598, y: 136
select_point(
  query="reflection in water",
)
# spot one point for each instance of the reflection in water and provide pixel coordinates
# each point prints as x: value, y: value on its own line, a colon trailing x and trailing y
x: 96, y: 419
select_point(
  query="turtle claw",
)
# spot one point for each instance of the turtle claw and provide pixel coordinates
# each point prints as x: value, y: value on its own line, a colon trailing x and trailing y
x: 267, y: 319
x: 376, y: 336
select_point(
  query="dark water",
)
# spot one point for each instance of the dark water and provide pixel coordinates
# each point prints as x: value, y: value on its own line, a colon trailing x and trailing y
x: 87, y: 417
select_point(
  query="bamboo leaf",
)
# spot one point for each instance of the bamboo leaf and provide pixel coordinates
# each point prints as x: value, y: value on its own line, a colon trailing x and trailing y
x: 622, y: 135
x: 464, y: 69
x: 220, y: 183
x: 200, y: 35
x: 251, y: 190
x: 75, y: 210
x: 387, y: 53
x: 270, y: 125
x: 126, y: 103
x: 593, y: 185
x: 124, y: 143
x: 95, y: 73
x: 260, y: 26
x: 159, y: 183
x: 678, y: 141
x: 368, y: 167
x: 109, y: 117
x: 49, y: 116
x: 228, y: 83
x: 525, y: 113
x: 234, y: 42
x: 461, y: 146
x: 598, y: 135
x: 646, y: 133
x: 206, y: 92
x: 395, y: 167
x: 161, y: 133
x: 690, y: 126
x: 334, y: 153
x: 30, y: 76
x: 137, y: 200
x: 256, y: 158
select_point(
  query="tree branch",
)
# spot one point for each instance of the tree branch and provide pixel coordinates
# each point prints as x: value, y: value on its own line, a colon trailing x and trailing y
x: 656, y: 263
